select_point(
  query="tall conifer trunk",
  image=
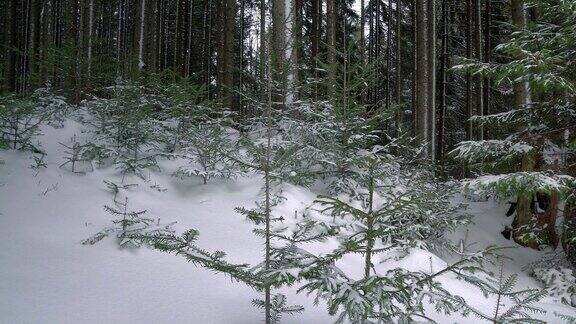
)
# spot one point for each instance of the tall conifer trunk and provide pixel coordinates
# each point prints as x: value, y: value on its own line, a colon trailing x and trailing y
x: 521, y: 99
x: 422, y: 70
x: 10, y: 81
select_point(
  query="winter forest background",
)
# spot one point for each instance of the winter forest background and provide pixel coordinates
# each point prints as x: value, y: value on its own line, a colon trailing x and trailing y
x: 317, y: 161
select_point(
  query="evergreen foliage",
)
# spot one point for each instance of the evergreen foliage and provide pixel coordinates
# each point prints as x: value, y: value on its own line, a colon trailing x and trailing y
x: 512, y: 305
x: 21, y: 116
x: 125, y: 131
x: 130, y: 227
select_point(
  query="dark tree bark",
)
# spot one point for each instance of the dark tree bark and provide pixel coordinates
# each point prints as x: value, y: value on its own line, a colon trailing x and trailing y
x: 226, y: 52
x: 442, y: 86
x: 399, y: 80
x: 469, y: 103
x: 479, y: 102
x: 521, y: 99
x: 431, y: 109
x: 331, y: 43
x: 277, y: 54
x: 422, y: 70
x: 72, y: 45
x: 487, y: 58
x: 569, y: 231
x: 10, y: 81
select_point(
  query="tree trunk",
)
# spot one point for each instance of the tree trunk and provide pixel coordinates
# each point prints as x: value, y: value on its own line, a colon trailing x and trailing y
x: 226, y: 52
x: 72, y: 24
x: 414, y: 94
x: 478, y: 79
x: 10, y: 81
x: 267, y: 188
x: 487, y: 59
x: 521, y: 99
x: 189, y: 39
x: 399, y: 81
x: 422, y: 70
x: 362, y: 37
x: 569, y: 231
x: 297, y: 47
x: 35, y: 32
x: 139, y: 35
x: 369, y: 229
x: 263, y: 48
x: 389, y: 55
x: 315, y: 33
x: 431, y: 119
x: 443, y: 86
x: 331, y: 44
x: 469, y: 102
x: 90, y: 40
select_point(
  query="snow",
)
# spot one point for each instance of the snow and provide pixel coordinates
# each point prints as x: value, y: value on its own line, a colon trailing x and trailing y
x: 48, y: 276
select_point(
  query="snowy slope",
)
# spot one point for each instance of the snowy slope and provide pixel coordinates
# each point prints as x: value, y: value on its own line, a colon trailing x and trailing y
x: 47, y: 276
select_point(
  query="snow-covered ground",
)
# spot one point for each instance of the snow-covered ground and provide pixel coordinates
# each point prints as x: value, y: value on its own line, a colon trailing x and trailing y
x: 48, y: 276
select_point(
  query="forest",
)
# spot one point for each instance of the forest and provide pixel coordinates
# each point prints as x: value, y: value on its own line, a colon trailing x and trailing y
x: 288, y: 161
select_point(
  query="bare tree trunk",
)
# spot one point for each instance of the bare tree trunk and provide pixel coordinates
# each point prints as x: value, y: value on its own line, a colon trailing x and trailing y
x: 90, y: 38
x: 10, y: 82
x: 189, y: 39
x: 478, y: 49
x: 297, y: 46
x: 140, y: 38
x: 443, y: 86
x: 422, y: 70
x: 331, y: 44
x: 316, y: 31
x: 151, y: 37
x: 431, y: 119
x: 414, y: 69
x: 207, y: 53
x: 72, y: 44
x: 225, y: 62
x: 35, y: 32
x: 263, y: 47
x: 267, y: 289
x: 362, y: 37
x: 488, y: 59
x: 521, y: 99
x: 469, y: 103
x: 290, y: 52
x: 569, y: 232
x: 399, y: 81
x: 389, y: 55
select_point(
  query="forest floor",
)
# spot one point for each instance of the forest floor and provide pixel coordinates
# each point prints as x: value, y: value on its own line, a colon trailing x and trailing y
x: 48, y: 276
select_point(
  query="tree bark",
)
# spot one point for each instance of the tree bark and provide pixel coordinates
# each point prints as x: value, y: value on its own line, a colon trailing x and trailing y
x: 263, y: 48
x: 422, y: 70
x: 569, y: 230
x: 431, y: 118
x: 478, y: 79
x: 443, y: 86
x: 72, y: 24
x: 399, y: 80
x: 469, y: 103
x: 362, y: 37
x: 331, y: 44
x: 35, y: 32
x: 487, y: 58
x: 10, y: 81
x: 90, y: 40
x: 521, y: 99
x: 139, y: 35
x: 389, y: 56
x: 226, y: 52
x: 316, y: 31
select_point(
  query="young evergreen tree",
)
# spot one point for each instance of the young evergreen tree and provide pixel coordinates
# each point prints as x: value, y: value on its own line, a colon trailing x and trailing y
x: 531, y: 159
